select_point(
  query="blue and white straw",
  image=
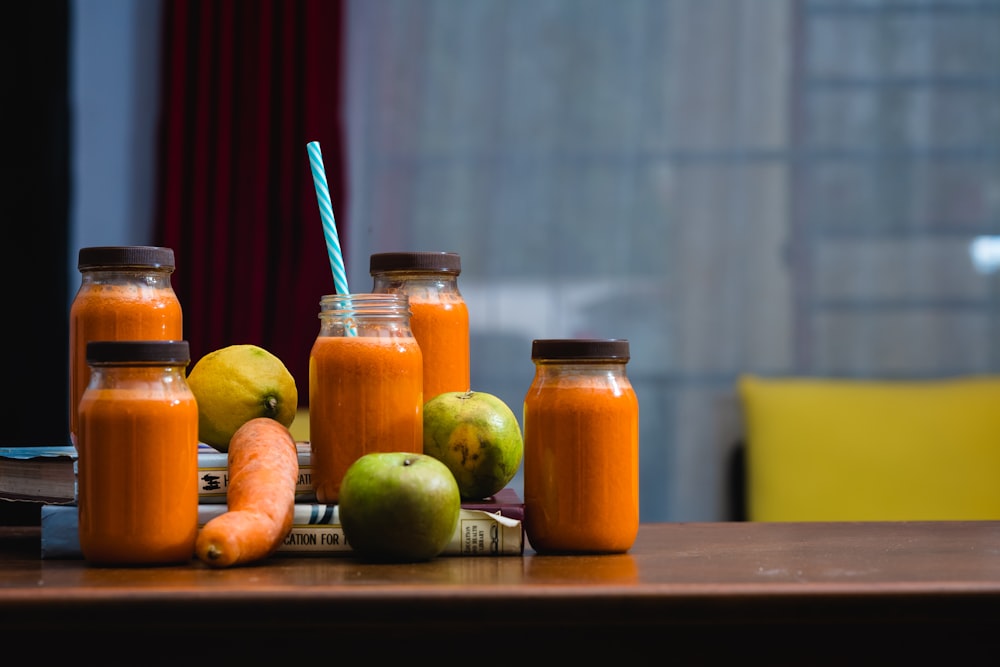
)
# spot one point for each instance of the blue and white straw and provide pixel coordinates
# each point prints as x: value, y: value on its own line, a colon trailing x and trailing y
x: 326, y: 214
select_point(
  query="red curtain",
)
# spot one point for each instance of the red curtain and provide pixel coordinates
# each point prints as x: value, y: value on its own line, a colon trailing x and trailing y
x: 245, y: 86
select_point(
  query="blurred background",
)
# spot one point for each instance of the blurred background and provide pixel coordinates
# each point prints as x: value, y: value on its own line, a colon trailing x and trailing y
x: 801, y: 187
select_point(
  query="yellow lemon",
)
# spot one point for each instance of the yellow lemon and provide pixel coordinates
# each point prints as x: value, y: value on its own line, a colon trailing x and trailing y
x: 235, y: 384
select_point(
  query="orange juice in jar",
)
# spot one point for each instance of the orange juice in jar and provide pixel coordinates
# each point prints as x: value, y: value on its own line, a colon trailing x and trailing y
x: 365, y: 385
x: 581, y: 448
x: 138, y: 463
x: 125, y: 294
x: 440, y: 317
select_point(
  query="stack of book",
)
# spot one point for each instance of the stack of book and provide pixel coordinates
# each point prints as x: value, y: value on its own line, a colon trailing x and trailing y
x: 47, y: 475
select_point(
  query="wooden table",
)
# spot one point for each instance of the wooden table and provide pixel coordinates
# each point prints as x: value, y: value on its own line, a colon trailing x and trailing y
x: 795, y: 593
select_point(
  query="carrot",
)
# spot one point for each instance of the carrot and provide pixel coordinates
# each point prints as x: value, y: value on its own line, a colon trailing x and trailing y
x: 263, y: 472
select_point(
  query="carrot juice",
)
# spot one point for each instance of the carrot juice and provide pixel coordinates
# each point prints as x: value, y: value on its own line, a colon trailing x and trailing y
x: 440, y: 317
x: 125, y: 294
x: 365, y: 386
x: 581, y: 448
x: 138, y: 464
x: 441, y: 328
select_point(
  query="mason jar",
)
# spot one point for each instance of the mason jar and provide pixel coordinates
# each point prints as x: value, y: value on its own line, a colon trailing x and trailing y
x: 138, y: 460
x: 581, y: 448
x: 124, y: 294
x: 365, y: 385
x: 440, y: 317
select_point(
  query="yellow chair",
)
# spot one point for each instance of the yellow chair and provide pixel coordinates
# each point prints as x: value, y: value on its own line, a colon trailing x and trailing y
x: 856, y: 450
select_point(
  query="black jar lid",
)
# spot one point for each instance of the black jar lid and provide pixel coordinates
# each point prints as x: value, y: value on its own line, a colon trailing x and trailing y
x: 580, y: 348
x: 130, y: 256
x: 124, y: 351
x: 445, y: 262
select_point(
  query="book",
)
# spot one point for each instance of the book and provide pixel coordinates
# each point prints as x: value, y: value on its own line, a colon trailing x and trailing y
x: 48, y: 474
x: 490, y: 527
x: 213, y: 475
x: 38, y: 474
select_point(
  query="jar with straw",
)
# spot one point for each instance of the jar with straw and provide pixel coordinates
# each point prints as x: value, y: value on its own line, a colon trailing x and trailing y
x: 365, y: 369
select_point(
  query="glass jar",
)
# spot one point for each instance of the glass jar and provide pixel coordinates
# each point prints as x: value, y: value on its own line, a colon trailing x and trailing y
x: 440, y: 317
x: 138, y: 459
x: 581, y: 448
x: 125, y: 294
x: 365, y: 385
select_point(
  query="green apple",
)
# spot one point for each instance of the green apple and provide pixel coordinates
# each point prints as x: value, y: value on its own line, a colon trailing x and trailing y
x: 477, y: 436
x: 398, y: 506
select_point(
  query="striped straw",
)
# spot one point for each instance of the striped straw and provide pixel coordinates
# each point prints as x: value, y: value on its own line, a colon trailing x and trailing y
x: 326, y: 213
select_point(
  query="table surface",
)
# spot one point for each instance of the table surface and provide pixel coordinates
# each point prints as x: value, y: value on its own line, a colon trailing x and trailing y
x: 694, y: 582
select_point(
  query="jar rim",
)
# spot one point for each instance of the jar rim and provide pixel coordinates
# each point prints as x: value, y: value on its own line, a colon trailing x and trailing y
x: 373, y: 298
x: 376, y: 303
